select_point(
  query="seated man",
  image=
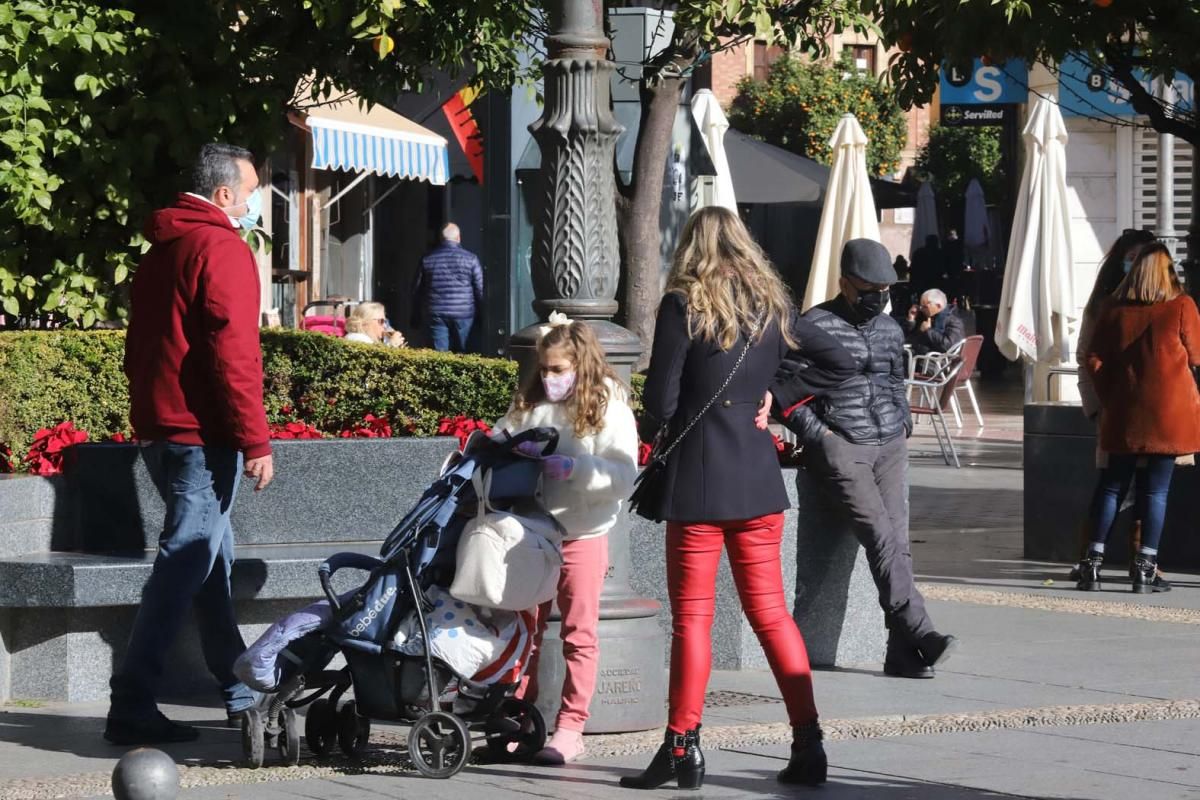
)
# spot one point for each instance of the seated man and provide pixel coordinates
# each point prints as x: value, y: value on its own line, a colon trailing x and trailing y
x: 933, y: 328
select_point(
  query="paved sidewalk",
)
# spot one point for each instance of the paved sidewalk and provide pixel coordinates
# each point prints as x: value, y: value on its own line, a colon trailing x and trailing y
x: 1054, y: 693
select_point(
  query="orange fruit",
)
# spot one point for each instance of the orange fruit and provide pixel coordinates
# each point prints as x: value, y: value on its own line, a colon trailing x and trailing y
x: 383, y: 45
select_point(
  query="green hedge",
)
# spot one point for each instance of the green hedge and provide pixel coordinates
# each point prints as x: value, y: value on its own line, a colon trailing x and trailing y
x: 52, y: 377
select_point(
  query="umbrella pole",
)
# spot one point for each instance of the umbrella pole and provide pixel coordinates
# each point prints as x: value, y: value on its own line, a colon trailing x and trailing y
x: 1028, y: 379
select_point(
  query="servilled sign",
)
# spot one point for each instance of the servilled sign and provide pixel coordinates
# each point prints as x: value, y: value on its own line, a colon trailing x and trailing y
x: 1087, y: 89
x: 981, y: 94
x: 975, y: 116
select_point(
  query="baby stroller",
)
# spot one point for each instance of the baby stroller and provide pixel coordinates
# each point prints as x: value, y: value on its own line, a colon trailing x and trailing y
x: 417, y: 560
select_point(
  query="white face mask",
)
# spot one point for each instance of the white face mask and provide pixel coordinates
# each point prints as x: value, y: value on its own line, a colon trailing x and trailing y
x: 558, y: 387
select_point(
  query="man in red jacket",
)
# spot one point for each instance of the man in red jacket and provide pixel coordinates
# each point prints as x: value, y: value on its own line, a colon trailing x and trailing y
x: 194, y: 365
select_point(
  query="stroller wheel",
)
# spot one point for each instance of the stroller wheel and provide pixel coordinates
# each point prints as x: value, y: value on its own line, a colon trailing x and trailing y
x: 253, y: 738
x: 516, y: 732
x: 289, y: 737
x: 321, y: 727
x: 353, y: 731
x: 439, y: 744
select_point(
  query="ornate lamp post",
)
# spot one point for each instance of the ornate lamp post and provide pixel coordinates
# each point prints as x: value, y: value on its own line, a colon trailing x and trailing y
x: 575, y: 270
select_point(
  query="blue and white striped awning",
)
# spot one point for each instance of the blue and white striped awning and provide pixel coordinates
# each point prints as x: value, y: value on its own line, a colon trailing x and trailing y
x: 378, y: 140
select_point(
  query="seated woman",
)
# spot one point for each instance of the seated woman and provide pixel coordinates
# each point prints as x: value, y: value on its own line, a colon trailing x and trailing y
x: 367, y: 324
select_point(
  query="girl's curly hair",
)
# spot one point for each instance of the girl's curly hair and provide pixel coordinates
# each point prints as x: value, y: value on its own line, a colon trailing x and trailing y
x: 594, y: 378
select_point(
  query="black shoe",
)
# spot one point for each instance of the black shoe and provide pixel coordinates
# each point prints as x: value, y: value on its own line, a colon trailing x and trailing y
x: 808, y: 765
x: 678, y: 759
x: 1088, y: 573
x: 1146, y: 578
x: 151, y: 730
x: 903, y: 659
x: 936, y: 648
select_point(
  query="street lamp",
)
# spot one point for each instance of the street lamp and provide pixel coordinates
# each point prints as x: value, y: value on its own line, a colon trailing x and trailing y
x: 575, y: 270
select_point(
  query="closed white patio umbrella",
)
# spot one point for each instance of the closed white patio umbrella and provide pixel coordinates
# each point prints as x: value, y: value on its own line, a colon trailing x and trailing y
x: 1037, y: 305
x: 712, y: 123
x: 848, y: 213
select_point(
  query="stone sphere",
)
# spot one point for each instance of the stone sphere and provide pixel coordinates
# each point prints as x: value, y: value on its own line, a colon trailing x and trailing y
x: 145, y: 774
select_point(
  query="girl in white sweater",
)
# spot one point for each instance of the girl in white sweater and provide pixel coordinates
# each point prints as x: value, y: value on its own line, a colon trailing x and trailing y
x: 585, y: 480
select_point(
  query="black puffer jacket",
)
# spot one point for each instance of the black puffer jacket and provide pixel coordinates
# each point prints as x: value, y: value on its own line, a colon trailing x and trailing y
x: 871, y: 407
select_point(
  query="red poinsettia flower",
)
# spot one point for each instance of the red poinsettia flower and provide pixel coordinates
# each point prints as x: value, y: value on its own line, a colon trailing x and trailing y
x: 371, y: 427
x: 295, y: 430
x: 462, y: 427
x: 117, y: 438
x: 45, y: 456
x: 6, y: 464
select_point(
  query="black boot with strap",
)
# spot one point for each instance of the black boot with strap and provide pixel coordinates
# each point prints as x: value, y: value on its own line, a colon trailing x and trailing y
x: 679, y: 759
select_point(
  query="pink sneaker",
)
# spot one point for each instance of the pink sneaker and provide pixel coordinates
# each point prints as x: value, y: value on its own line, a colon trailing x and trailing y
x: 564, y: 747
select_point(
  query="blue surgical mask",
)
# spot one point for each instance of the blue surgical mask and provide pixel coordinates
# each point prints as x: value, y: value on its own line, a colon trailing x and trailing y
x: 1127, y: 265
x: 253, y: 213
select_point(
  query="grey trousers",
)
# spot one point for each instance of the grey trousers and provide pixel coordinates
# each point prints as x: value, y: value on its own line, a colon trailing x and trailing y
x: 869, y: 484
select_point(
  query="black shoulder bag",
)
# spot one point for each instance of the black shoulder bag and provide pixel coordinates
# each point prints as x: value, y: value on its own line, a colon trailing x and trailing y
x: 647, y: 496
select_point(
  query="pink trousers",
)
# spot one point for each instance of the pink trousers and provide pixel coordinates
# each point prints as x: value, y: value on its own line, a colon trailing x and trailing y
x: 585, y: 562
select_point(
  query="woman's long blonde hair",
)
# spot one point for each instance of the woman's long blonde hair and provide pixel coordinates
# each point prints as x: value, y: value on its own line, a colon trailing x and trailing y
x: 594, y: 378
x: 730, y: 286
x: 362, y: 314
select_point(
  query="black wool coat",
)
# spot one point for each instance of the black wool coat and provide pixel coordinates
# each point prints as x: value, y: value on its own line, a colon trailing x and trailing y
x: 726, y: 469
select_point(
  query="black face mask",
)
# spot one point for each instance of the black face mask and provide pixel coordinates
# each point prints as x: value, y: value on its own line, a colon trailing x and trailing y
x: 871, y: 304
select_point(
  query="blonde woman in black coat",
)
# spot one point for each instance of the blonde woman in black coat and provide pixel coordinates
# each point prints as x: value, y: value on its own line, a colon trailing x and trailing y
x: 723, y: 485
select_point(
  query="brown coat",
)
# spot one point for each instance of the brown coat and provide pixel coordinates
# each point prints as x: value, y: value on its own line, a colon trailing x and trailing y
x: 1140, y: 358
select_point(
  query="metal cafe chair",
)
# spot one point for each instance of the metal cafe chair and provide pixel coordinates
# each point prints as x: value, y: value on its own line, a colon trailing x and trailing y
x: 935, y: 396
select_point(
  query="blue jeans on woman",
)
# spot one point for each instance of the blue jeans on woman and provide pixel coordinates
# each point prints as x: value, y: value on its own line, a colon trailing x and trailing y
x: 195, y: 557
x: 1150, y: 499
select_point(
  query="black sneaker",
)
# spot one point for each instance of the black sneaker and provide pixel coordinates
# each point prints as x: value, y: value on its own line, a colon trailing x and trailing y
x: 156, y: 729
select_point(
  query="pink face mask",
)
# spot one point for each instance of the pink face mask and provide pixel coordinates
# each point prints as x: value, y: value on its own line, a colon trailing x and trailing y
x: 558, y: 387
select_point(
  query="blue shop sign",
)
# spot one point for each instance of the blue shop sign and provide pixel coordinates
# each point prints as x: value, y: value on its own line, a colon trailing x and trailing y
x: 1086, y: 89
x: 985, y: 85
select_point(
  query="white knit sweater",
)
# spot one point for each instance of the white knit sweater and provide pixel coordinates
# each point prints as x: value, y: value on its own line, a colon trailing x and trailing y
x: 587, y: 503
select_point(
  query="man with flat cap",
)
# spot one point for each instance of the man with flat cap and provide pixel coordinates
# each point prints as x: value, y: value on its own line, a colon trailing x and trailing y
x: 855, y: 442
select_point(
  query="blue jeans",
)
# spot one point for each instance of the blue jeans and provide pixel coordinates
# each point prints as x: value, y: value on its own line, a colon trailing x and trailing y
x: 195, y: 557
x: 1150, y: 499
x: 450, y: 334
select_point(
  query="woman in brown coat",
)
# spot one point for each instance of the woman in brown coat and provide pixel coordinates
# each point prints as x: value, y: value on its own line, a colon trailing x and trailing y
x: 1146, y: 341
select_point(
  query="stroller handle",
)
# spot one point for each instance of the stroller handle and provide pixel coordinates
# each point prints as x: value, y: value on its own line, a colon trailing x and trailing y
x: 338, y: 561
x: 547, y: 436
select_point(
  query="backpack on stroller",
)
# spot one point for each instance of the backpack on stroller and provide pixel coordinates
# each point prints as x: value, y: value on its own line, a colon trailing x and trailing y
x: 389, y: 635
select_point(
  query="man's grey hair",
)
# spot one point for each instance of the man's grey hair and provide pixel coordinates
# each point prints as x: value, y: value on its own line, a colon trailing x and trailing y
x: 451, y: 233
x: 217, y: 166
x: 935, y: 296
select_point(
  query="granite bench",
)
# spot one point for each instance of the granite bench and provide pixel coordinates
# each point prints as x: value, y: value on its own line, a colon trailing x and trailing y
x: 75, y: 552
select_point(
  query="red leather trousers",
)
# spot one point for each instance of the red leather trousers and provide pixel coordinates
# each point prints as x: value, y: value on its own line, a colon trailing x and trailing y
x: 693, y: 554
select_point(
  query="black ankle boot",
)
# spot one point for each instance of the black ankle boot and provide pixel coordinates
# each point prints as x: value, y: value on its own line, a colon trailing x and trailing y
x: 1146, y: 578
x: 808, y: 765
x: 678, y: 759
x: 1089, y: 573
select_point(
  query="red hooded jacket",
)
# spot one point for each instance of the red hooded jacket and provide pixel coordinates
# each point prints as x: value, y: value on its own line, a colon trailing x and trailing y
x: 192, y: 353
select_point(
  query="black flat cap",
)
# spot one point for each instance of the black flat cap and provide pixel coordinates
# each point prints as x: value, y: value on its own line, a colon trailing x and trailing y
x: 867, y: 260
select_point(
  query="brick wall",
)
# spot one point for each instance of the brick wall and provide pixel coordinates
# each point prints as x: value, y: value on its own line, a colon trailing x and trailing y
x: 729, y: 67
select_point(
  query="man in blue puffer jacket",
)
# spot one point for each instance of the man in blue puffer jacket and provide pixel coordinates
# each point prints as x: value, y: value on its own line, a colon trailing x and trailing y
x: 449, y: 290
